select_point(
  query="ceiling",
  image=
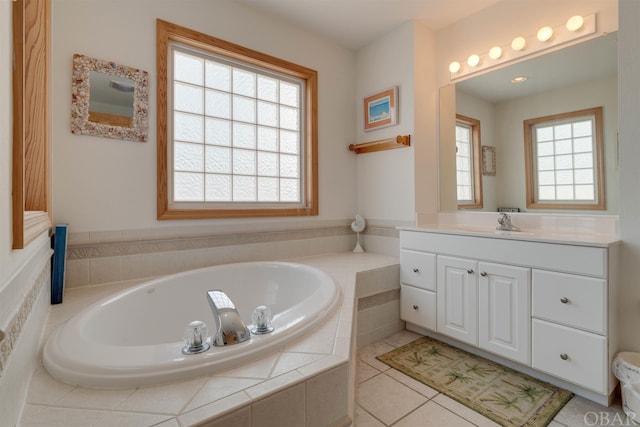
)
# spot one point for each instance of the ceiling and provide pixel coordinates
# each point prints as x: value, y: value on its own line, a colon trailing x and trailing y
x: 356, y: 23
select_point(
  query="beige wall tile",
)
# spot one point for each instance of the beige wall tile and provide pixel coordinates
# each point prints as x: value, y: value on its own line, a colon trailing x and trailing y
x: 326, y: 397
x: 283, y: 409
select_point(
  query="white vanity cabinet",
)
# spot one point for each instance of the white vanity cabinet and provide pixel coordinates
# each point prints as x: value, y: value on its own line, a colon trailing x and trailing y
x: 545, y: 305
x: 484, y: 304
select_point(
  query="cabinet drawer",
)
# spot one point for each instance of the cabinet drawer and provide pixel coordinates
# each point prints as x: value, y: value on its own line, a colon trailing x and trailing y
x: 572, y: 300
x: 576, y: 356
x: 418, y: 269
x: 418, y: 306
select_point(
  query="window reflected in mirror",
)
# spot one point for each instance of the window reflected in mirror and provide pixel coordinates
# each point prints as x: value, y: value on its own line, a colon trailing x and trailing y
x: 468, y: 163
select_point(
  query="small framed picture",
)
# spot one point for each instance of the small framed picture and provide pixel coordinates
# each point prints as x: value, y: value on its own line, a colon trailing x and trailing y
x: 381, y: 109
x: 488, y: 160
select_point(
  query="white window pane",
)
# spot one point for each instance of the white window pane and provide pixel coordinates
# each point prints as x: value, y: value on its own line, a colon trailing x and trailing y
x: 564, y: 177
x: 244, y: 188
x: 564, y: 162
x: 188, y: 127
x: 289, y: 94
x: 188, y: 187
x: 563, y: 146
x: 583, y: 145
x: 584, y: 176
x: 544, y: 134
x: 464, y: 163
x: 545, y: 149
x: 289, y: 190
x: 244, y: 109
x: 564, y: 192
x: 546, y: 163
x: 218, y: 188
x: 562, y: 131
x: 187, y: 68
x: 546, y: 178
x: 267, y: 89
x: 583, y: 160
x: 217, y: 76
x: 217, y: 132
x: 244, y: 83
x: 582, y: 128
x: 289, y: 142
x: 463, y: 134
x: 546, y: 193
x: 289, y: 166
x: 463, y: 148
x: 267, y: 114
x: 267, y: 189
x: 244, y: 162
x: 244, y: 135
x: 464, y: 193
x: 218, y: 159
x: 188, y: 157
x: 267, y: 164
x: 188, y: 98
x: 267, y: 139
x: 218, y: 104
x: 585, y: 192
x: 289, y: 118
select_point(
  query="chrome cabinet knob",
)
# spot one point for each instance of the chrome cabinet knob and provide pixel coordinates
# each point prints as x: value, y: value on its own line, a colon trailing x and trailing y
x: 415, y: 270
x: 564, y: 300
x: 415, y: 306
x: 484, y: 274
x: 564, y: 356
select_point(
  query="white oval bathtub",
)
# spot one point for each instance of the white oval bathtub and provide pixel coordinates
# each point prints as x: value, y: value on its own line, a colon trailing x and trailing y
x: 134, y: 338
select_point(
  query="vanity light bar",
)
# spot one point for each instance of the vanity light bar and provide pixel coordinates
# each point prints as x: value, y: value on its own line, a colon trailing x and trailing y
x: 546, y: 38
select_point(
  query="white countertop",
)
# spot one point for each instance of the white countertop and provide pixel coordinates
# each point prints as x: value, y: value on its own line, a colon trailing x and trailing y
x: 533, y: 235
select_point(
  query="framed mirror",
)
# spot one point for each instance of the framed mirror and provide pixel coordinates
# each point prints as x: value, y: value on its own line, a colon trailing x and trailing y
x: 109, y: 100
x: 573, y: 78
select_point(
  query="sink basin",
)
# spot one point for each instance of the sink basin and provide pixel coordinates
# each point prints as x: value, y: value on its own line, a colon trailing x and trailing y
x: 489, y: 230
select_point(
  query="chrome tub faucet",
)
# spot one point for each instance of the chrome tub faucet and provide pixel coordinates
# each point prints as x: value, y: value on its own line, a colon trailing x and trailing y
x: 230, y: 329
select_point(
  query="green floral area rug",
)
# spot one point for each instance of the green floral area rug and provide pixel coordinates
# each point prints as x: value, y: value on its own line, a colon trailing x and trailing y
x: 508, y: 397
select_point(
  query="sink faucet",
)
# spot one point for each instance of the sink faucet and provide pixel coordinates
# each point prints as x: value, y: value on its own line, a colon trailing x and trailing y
x: 230, y: 329
x: 504, y: 223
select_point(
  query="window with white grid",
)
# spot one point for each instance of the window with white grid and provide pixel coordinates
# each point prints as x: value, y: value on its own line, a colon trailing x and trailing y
x: 565, y: 151
x: 240, y: 137
x: 468, y: 177
x: 236, y: 132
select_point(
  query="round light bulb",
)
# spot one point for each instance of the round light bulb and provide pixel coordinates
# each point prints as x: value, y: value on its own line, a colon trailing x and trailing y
x: 473, y: 60
x: 545, y: 34
x: 575, y: 23
x: 518, y: 43
x: 495, y: 52
x: 454, y: 67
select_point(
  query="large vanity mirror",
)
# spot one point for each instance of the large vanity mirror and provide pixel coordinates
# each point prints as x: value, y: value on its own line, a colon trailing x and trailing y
x: 109, y: 99
x: 579, y: 77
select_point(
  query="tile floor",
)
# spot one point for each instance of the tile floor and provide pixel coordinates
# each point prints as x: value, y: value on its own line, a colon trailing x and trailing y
x: 386, y: 397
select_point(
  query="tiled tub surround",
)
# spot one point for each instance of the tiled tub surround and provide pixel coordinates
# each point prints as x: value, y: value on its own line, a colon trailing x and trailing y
x: 106, y: 257
x: 307, y: 383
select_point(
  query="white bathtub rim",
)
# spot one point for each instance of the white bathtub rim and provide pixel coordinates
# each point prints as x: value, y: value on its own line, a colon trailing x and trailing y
x: 80, y: 373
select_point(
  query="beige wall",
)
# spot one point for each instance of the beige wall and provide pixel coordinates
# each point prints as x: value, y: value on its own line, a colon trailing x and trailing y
x: 109, y: 185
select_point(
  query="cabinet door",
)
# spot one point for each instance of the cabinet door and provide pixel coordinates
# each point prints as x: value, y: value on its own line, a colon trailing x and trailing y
x: 418, y: 306
x: 457, y: 299
x: 503, y: 310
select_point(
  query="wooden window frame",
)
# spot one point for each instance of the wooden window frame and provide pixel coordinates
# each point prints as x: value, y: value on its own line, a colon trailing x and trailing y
x: 476, y: 163
x: 166, y: 33
x: 31, y: 158
x: 531, y: 169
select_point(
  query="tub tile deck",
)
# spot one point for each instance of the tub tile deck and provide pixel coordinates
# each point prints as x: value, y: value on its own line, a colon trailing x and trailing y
x: 193, y: 401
